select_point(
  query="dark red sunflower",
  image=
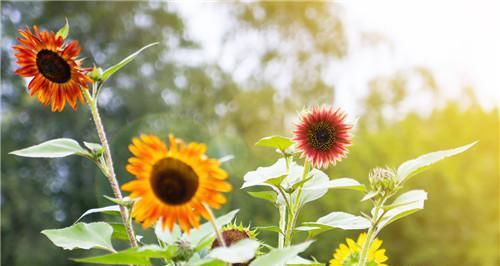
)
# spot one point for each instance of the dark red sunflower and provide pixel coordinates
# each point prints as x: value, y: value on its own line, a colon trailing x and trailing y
x: 323, y: 135
x: 56, y: 72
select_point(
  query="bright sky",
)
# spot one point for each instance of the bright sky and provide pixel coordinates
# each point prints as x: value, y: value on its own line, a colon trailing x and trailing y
x: 458, y: 40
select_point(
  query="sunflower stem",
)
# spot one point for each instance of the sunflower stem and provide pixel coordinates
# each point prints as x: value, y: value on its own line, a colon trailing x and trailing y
x: 282, y: 226
x: 295, y: 210
x: 372, y: 232
x: 108, y: 161
x: 213, y: 222
x: 284, y: 210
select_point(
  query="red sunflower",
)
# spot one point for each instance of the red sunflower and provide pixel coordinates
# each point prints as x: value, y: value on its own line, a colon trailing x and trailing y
x: 56, y: 72
x: 323, y: 135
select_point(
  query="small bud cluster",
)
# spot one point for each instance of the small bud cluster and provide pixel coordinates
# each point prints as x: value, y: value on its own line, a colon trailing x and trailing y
x: 383, y: 180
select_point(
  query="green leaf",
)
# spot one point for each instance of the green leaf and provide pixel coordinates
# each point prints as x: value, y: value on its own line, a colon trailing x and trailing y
x: 206, y: 262
x: 82, y: 236
x: 126, y: 201
x: 299, y: 261
x: 119, y: 231
x: 108, y: 210
x: 63, y: 32
x: 341, y: 183
x: 52, y: 149
x: 138, y: 256
x: 167, y: 236
x: 265, y: 195
x: 278, y: 142
x: 407, y: 198
x: 280, y: 256
x: 92, y: 146
x: 239, y: 252
x: 406, y: 204
x: 312, y: 188
x: 299, y: 184
x: 272, y: 228
x: 370, y: 195
x: 260, y: 176
x: 276, y: 181
x: 342, y: 220
x: 110, y: 71
x: 415, y: 166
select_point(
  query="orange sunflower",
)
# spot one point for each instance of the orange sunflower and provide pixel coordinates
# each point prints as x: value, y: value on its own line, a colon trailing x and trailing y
x: 56, y: 72
x: 173, y: 182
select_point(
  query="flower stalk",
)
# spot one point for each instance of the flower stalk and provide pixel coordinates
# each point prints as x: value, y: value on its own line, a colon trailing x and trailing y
x: 213, y: 222
x: 108, y: 169
x: 295, y: 209
x: 372, y: 231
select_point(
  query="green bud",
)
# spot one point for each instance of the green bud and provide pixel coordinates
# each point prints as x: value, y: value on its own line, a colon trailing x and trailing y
x: 383, y: 180
x: 95, y: 74
x: 184, y: 251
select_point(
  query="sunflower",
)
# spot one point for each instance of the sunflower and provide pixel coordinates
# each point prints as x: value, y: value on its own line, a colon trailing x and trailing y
x: 56, y: 72
x: 348, y: 255
x: 173, y: 183
x: 233, y: 233
x: 323, y: 135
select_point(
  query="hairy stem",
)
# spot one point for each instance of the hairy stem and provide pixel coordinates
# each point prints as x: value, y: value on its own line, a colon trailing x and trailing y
x: 110, y: 172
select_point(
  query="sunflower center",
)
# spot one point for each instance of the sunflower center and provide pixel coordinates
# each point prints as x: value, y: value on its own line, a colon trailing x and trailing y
x: 173, y: 181
x: 231, y: 236
x: 321, y: 136
x: 53, y: 66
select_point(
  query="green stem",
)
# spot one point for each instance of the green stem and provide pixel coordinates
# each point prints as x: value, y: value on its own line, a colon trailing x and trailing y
x: 294, y: 212
x: 371, y: 234
x: 282, y: 225
x: 109, y: 169
x: 284, y: 210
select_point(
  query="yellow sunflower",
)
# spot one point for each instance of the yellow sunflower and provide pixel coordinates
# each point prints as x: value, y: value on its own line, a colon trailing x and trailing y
x: 54, y: 67
x: 173, y: 182
x: 348, y: 255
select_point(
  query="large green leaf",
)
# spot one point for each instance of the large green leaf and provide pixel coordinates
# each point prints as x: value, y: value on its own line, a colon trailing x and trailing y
x: 342, y: 220
x: 167, y: 236
x: 239, y: 252
x: 406, y: 204
x: 260, y: 176
x: 82, y: 236
x: 114, y: 209
x: 415, y: 166
x: 278, y: 142
x: 137, y: 256
x: 111, y: 70
x: 280, y: 256
x: 312, y: 188
x: 340, y: 183
x: 52, y: 149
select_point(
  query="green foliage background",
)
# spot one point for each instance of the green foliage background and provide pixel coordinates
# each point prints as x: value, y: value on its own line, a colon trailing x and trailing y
x: 202, y: 102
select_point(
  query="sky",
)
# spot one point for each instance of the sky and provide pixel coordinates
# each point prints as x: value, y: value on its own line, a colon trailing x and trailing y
x: 459, y: 41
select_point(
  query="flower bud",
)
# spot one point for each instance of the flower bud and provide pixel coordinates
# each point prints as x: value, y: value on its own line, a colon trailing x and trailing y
x: 382, y: 180
x: 233, y: 233
x: 95, y: 74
